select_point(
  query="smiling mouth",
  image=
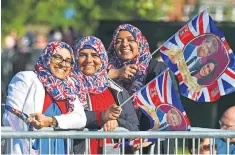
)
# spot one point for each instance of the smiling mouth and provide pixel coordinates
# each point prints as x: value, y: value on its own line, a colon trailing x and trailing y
x: 60, y: 70
x: 89, y: 67
x: 125, y: 50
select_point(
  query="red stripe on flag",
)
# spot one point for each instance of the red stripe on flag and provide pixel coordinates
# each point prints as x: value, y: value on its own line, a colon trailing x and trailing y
x: 197, y: 94
x: 180, y: 78
x: 194, y: 95
x: 229, y: 73
x: 165, y: 81
x: 185, y: 35
x: 200, y: 24
x: 187, y: 120
x: 163, y: 48
x: 226, y: 45
x: 153, y: 93
x: 138, y: 101
x: 214, y: 91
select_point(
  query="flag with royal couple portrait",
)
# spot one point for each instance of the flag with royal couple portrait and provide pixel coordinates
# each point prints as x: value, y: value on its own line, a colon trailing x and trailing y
x: 160, y: 103
x: 201, y: 59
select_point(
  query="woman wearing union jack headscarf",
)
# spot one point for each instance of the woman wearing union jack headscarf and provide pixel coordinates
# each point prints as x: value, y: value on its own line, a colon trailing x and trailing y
x: 103, y: 95
x: 131, y: 64
x: 44, y: 97
x: 130, y: 61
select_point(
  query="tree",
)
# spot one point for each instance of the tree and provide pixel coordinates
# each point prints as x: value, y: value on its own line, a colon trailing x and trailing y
x: 19, y: 13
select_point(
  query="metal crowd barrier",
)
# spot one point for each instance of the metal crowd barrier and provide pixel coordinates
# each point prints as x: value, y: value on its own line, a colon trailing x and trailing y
x: 179, y: 137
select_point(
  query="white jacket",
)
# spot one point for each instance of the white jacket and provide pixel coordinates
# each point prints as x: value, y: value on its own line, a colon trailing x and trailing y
x: 26, y: 93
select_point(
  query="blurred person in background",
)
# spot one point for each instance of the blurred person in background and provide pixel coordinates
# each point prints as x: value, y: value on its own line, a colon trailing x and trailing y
x: 23, y: 55
x: 47, y: 99
x: 11, y: 40
x: 203, y: 147
x: 227, y: 122
x: 68, y: 37
x: 101, y: 93
x: 41, y: 41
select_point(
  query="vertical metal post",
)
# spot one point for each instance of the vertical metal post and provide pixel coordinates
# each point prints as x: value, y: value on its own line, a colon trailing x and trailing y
x: 176, y: 145
x: 168, y: 146
x: 193, y: 146
x: 123, y: 146
x: 40, y: 145
x: 228, y: 143
x: 198, y: 146
x: 141, y: 146
x: 86, y: 146
x: 104, y: 146
x: 158, y: 146
x: 183, y: 151
x: 30, y: 145
x: 68, y: 146
x: 211, y: 146
x: 11, y: 145
x: 49, y: 141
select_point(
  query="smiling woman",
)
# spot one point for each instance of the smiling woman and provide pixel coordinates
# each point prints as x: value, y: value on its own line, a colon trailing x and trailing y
x: 89, y: 61
x: 47, y: 98
x: 103, y: 95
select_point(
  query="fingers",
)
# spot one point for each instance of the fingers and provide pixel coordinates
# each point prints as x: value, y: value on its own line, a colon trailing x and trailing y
x: 133, y: 66
x: 128, y: 71
x: 36, y: 124
x: 131, y: 70
x: 110, y: 125
x: 115, y: 109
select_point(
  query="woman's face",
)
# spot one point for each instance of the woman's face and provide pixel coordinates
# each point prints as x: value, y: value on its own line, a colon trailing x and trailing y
x: 126, y: 46
x: 207, y: 69
x: 61, y: 63
x: 89, y: 61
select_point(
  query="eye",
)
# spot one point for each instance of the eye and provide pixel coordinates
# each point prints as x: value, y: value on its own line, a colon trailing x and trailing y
x: 118, y: 41
x: 57, y: 57
x: 131, y: 40
x: 96, y: 55
x: 68, y: 60
x: 82, y: 55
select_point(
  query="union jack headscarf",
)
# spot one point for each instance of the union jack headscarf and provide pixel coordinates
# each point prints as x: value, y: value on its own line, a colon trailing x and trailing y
x: 142, y: 60
x: 98, y: 82
x: 57, y: 88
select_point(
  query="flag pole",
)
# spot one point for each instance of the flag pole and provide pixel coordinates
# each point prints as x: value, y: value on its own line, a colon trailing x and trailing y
x: 159, y: 74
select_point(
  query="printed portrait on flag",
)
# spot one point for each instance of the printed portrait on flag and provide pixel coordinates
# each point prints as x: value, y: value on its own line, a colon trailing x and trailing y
x: 170, y: 118
x: 201, y: 59
x: 160, y: 103
x: 206, y: 58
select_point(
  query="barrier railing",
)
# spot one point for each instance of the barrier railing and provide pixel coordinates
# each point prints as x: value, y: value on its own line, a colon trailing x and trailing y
x: 179, y: 137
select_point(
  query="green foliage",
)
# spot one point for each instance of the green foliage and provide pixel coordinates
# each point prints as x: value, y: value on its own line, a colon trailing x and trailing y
x: 16, y: 14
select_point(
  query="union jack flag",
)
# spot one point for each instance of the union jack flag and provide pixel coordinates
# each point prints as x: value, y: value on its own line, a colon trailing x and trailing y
x: 222, y: 82
x: 159, y: 101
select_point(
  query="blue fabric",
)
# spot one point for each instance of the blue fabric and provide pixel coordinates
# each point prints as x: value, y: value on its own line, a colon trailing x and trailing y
x: 88, y: 47
x: 53, y: 110
x: 163, y: 125
x: 222, y: 147
x: 188, y: 51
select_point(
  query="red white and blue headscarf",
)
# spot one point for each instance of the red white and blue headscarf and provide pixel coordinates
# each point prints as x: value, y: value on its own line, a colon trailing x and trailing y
x: 97, y: 82
x: 57, y: 88
x: 141, y: 60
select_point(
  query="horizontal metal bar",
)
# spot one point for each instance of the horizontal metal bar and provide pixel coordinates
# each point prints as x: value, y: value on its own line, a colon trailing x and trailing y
x: 131, y: 134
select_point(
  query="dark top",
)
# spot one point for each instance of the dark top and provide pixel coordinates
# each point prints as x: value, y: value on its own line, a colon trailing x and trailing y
x: 127, y: 119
